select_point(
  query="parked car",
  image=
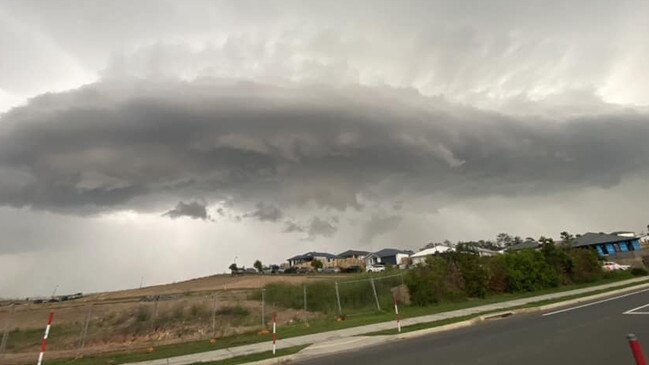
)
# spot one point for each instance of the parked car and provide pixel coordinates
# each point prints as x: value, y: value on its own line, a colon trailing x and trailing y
x: 353, y: 269
x: 251, y: 270
x: 375, y: 268
x: 331, y: 270
x: 614, y: 266
x: 303, y: 270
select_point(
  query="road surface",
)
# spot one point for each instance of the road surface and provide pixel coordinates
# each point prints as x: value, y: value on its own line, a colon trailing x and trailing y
x: 593, y: 334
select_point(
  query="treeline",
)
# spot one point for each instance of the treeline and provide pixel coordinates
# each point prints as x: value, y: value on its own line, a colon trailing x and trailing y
x: 461, y: 274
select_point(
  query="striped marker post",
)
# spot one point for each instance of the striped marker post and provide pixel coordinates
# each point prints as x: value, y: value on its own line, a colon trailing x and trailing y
x: 274, y: 332
x: 636, y: 350
x: 396, y: 311
x: 44, y: 343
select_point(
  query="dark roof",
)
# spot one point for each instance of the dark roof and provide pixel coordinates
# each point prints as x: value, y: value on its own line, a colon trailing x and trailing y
x: 390, y: 252
x: 590, y: 238
x: 313, y: 254
x: 351, y: 253
x: 523, y: 245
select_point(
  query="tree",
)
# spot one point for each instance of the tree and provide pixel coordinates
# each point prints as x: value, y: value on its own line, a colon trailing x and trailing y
x: 504, y: 240
x: 316, y: 264
x: 257, y: 265
x: 233, y: 268
x: 567, y: 239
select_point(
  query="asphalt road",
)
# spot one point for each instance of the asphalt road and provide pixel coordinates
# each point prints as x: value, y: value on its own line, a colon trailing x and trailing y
x: 593, y: 335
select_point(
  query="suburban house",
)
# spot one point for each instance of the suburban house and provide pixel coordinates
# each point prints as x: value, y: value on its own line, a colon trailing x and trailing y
x: 481, y: 251
x: 421, y: 256
x: 352, y: 258
x: 387, y: 256
x: 533, y: 245
x: 608, y: 244
x: 327, y: 259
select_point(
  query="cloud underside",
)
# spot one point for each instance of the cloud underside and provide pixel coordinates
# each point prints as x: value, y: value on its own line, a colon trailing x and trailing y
x: 194, y: 210
x: 111, y: 146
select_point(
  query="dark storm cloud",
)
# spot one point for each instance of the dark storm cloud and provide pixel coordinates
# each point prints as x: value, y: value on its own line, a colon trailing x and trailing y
x: 316, y: 227
x: 194, y: 210
x: 266, y: 212
x: 112, y: 146
x: 378, y: 225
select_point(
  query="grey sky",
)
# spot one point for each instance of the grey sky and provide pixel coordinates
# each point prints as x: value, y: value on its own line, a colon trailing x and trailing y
x: 284, y: 127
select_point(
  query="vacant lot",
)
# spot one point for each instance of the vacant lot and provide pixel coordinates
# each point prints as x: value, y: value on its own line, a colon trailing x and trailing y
x: 204, y: 308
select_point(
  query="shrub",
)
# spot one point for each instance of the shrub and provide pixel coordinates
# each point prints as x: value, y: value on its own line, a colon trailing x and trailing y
x: 142, y: 314
x: 527, y: 270
x: 586, y: 266
x: 638, y: 271
x: 437, y: 280
x: 475, y: 277
x: 233, y: 311
x: 496, y: 268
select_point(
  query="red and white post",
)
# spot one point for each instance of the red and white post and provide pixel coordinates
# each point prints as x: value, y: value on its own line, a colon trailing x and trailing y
x: 274, y: 332
x: 636, y: 350
x: 396, y: 311
x: 44, y: 343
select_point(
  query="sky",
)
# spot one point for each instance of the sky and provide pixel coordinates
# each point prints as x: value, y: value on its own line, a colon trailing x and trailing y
x: 159, y: 141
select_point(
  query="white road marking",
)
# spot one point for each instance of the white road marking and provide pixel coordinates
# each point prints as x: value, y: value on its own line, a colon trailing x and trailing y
x: 635, y: 310
x: 593, y: 303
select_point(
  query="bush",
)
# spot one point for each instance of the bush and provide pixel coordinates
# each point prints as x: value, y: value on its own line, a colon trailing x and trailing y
x: 638, y: 271
x: 586, y: 267
x: 233, y: 311
x: 439, y: 279
x: 527, y: 270
x: 475, y: 277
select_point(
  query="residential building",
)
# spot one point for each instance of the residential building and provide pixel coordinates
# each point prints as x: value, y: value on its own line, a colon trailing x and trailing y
x: 607, y: 244
x: 327, y: 259
x: 351, y: 258
x: 387, y: 256
x: 421, y: 256
x: 533, y: 245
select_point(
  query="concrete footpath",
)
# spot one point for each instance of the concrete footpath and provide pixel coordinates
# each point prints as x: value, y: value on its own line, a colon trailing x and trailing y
x: 332, y: 338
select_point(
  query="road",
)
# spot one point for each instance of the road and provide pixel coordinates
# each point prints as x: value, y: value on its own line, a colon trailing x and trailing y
x: 593, y: 334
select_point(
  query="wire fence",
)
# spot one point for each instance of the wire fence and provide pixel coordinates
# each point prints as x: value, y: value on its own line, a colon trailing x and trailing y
x: 82, y: 328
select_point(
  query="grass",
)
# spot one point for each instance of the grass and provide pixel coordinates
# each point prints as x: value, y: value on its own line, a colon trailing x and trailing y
x: 421, y: 326
x: 328, y: 324
x: 255, y: 357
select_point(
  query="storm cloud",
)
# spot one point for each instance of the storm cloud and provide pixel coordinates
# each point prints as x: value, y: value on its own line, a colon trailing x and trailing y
x: 308, y: 126
x: 194, y: 210
x: 108, y: 147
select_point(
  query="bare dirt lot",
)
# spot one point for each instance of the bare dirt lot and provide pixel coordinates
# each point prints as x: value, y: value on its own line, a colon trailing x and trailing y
x: 203, y: 308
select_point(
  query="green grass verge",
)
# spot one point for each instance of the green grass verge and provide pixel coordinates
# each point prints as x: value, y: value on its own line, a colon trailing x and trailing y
x: 323, y: 325
x: 255, y: 357
x: 422, y: 326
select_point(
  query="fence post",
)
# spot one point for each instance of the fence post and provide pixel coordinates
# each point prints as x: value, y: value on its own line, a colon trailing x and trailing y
x: 274, y: 331
x: 636, y: 350
x: 306, y: 318
x: 340, y: 308
x: 84, y: 329
x: 263, y: 315
x: 44, y: 342
x: 214, y: 315
x: 396, y: 311
x: 5, y: 335
x: 378, y: 306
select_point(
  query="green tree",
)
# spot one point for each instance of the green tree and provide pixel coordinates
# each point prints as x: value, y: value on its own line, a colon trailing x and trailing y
x: 316, y: 264
x: 504, y: 240
x: 257, y: 265
x: 567, y: 239
x: 233, y: 268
